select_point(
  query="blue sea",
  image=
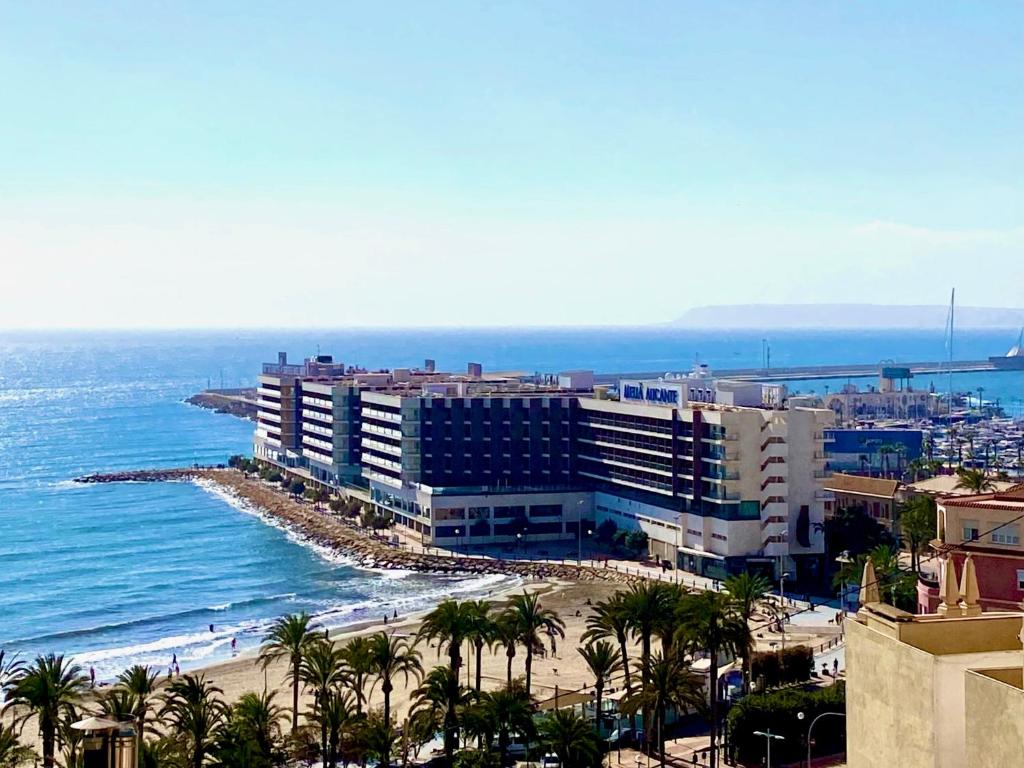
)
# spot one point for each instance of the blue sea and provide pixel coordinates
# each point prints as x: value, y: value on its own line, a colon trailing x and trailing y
x: 126, y: 573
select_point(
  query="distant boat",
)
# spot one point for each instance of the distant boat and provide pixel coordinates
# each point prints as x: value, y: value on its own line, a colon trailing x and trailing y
x: 1014, y: 359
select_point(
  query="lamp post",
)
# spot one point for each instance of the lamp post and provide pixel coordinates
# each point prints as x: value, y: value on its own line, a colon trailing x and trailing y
x: 519, y: 542
x: 810, y: 728
x: 782, y: 595
x: 458, y: 542
x: 768, y: 737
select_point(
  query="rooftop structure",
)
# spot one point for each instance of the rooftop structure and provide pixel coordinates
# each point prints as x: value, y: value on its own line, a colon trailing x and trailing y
x: 875, y: 496
x: 941, y: 690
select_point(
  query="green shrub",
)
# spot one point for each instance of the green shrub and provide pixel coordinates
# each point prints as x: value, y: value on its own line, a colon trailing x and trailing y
x: 770, y: 669
x: 273, y: 476
x: 606, y: 531
x: 297, y: 488
x: 636, y: 542
x: 779, y: 711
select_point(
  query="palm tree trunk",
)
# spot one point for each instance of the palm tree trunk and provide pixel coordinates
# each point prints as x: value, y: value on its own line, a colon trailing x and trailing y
x: 510, y: 653
x: 295, y: 695
x: 660, y: 716
x: 625, y: 662
x: 386, y: 689
x: 48, y: 734
x: 324, y: 745
x: 479, y: 659
x: 598, y: 694
x: 645, y: 655
x: 529, y: 667
x: 713, y: 683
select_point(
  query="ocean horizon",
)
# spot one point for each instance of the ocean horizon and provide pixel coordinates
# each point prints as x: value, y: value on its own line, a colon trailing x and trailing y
x: 136, y: 573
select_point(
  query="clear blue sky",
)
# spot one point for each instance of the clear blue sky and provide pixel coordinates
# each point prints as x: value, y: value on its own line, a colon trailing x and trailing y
x: 173, y: 164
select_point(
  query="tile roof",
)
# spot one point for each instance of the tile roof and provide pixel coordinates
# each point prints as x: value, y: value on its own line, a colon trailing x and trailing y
x: 866, y: 486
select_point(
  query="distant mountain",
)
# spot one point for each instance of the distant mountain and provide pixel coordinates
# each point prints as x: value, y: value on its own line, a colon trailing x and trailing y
x: 847, y: 316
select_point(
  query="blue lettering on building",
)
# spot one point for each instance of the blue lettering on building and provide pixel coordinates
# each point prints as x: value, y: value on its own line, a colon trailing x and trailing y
x: 632, y: 392
x: 662, y: 396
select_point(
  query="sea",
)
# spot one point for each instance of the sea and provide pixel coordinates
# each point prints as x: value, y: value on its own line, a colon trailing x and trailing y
x: 119, y: 574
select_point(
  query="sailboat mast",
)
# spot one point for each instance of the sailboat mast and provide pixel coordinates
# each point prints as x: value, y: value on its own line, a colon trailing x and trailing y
x: 949, y: 394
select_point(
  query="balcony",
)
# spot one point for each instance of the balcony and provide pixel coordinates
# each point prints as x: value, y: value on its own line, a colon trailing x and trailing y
x: 373, y: 413
x: 317, y: 416
x: 373, y: 429
x: 376, y: 445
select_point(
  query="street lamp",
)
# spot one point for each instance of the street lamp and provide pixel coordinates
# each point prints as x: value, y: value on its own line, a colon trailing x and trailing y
x: 458, y: 542
x: 519, y: 542
x: 800, y: 716
x: 782, y: 595
x: 768, y: 737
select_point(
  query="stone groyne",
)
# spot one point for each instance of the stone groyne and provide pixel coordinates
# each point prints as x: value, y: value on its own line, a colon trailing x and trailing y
x: 369, y: 551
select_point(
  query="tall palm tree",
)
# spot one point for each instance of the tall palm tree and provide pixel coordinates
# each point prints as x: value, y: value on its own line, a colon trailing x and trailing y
x: 571, y: 738
x: 749, y: 594
x: 392, y: 656
x: 603, y: 662
x: 194, y: 712
x: 259, y: 718
x: 449, y: 624
x: 439, y: 699
x: 670, y: 685
x: 505, y: 634
x: 505, y: 712
x: 321, y: 671
x: 974, y: 480
x: 709, y: 623
x: 917, y: 522
x: 358, y: 666
x: 338, y: 716
x: 532, y: 619
x: 12, y: 752
x: 610, y: 619
x: 480, y: 633
x: 289, y: 637
x: 142, y: 682
x: 118, y: 704
x: 647, y: 605
x: 48, y: 687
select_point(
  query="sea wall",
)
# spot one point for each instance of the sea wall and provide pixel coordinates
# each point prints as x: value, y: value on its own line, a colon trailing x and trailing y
x: 345, y: 537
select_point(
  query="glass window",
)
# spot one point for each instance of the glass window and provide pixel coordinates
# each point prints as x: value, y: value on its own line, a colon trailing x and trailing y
x: 1020, y: 580
x: 970, y: 530
x: 1008, y: 534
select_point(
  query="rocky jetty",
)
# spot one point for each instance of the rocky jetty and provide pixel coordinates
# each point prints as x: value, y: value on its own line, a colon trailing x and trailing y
x: 234, y: 402
x: 141, y: 476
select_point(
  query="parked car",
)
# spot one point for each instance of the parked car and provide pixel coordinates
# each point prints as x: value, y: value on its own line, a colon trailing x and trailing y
x: 550, y: 760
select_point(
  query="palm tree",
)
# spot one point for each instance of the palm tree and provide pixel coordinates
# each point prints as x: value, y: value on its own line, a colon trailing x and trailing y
x: 321, y: 671
x: 195, y: 713
x: 289, y: 637
x: 603, y: 661
x: 118, y: 704
x: 450, y: 623
x: 670, y: 685
x: 48, y: 687
x: 140, y: 681
x: 610, y: 619
x: 10, y: 668
x: 439, y: 699
x: 392, y: 656
x: 505, y: 712
x: 917, y: 521
x: 533, y: 618
x: 571, y: 738
x: 358, y: 666
x: 338, y: 716
x: 505, y: 634
x: 974, y: 480
x: 749, y: 594
x: 12, y: 752
x: 646, y: 604
x: 709, y: 623
x: 259, y: 718
x: 480, y: 633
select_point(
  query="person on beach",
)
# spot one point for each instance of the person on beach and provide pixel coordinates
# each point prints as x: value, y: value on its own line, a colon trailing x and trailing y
x: 395, y: 615
x: 234, y: 644
x: 92, y: 677
x: 385, y: 618
x: 177, y: 670
x: 174, y: 659
x: 211, y: 627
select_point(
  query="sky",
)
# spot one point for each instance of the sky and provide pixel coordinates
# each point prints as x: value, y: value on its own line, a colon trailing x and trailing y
x: 251, y: 164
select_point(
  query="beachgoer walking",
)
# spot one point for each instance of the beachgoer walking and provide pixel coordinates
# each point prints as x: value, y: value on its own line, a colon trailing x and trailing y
x: 211, y: 627
x: 92, y: 677
x: 174, y: 658
x: 234, y: 643
x: 177, y: 669
x: 835, y: 667
x: 385, y: 618
x: 396, y: 614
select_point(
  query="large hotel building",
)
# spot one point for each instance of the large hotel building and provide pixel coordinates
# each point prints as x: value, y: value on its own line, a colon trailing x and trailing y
x: 721, y: 475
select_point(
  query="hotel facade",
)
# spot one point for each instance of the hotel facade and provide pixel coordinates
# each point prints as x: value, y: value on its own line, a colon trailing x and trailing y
x: 719, y: 475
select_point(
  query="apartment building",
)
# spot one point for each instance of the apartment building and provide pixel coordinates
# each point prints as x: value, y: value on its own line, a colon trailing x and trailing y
x: 475, y: 467
x: 278, y: 435
x: 716, y: 488
x: 987, y: 527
